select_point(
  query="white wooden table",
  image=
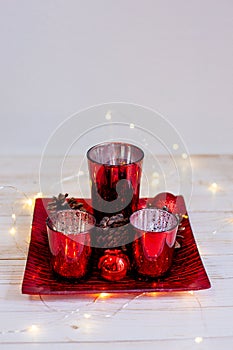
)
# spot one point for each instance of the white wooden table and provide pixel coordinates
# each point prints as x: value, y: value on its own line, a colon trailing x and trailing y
x: 184, y: 320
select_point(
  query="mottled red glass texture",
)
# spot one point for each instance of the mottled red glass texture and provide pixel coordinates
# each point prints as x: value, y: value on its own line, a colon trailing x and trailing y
x: 70, y: 252
x: 115, y: 173
x: 155, y: 236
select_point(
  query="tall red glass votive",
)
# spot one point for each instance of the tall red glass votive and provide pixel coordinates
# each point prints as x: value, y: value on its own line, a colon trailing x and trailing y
x: 70, y: 242
x: 155, y: 237
x: 115, y: 170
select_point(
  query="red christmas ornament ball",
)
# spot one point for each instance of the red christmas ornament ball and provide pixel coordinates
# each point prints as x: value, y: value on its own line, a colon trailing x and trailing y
x: 113, y: 265
x: 166, y: 200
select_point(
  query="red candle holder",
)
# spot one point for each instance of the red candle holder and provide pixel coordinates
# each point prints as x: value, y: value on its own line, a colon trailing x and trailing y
x: 155, y: 236
x: 115, y: 172
x: 70, y: 242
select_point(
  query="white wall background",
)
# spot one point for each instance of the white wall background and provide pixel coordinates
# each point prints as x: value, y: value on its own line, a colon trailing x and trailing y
x: 58, y: 56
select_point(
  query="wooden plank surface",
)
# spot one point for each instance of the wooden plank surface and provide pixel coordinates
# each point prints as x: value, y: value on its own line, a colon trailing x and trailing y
x: 199, y: 320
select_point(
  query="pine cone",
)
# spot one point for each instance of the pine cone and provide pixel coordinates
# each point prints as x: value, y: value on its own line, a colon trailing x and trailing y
x: 58, y: 203
x: 113, y: 221
x: 61, y: 202
x: 72, y: 202
x: 113, y: 232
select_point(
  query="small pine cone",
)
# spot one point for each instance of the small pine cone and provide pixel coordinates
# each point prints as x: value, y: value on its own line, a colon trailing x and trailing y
x: 113, y: 232
x: 61, y: 202
x: 62, y: 197
x: 113, y: 221
x: 58, y: 203
x: 74, y: 204
x: 113, y: 237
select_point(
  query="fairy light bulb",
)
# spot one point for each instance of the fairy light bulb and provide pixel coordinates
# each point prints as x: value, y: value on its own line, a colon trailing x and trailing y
x: 104, y: 295
x: 108, y: 115
x: 12, y: 231
x: 155, y: 179
x: 184, y: 155
x: 214, y: 187
x: 175, y: 146
x: 29, y: 202
x: 155, y: 175
x: 33, y: 328
x: 198, y: 340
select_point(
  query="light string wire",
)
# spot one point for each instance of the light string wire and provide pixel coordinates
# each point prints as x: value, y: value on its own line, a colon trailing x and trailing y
x: 65, y: 315
x: 78, y: 311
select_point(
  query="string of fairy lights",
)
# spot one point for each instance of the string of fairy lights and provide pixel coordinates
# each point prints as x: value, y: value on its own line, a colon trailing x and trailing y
x: 83, y: 313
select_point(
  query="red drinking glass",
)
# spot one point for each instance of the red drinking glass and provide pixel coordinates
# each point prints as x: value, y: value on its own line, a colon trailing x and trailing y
x: 70, y: 242
x: 115, y: 172
x: 155, y: 237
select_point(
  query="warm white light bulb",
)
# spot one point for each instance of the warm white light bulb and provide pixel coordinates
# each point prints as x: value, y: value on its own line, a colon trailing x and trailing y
x: 108, y: 115
x: 175, y: 146
x: 104, y: 295
x: 12, y: 231
x: 214, y: 187
x: 155, y: 175
x: 154, y: 182
x: 33, y: 328
x: 29, y: 202
x: 198, y: 340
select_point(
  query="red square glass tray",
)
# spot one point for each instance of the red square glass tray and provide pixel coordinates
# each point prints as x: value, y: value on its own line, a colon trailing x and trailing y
x: 187, y: 271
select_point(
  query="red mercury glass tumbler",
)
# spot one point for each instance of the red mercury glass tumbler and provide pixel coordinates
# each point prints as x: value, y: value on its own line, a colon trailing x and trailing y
x: 155, y: 237
x: 70, y: 242
x: 115, y: 172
